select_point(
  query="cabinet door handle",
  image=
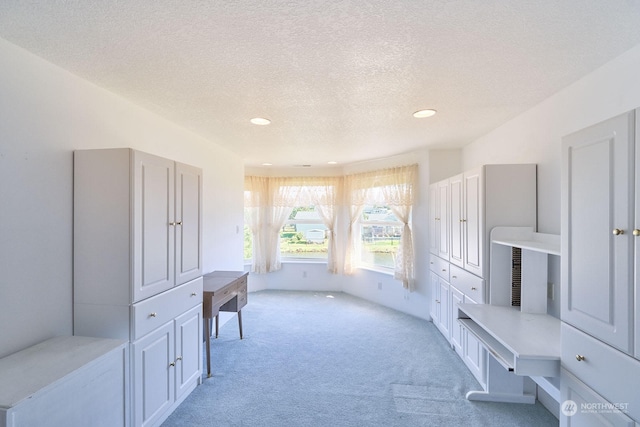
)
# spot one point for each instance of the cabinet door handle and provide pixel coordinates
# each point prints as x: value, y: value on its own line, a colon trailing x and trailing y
x: 474, y: 288
x: 179, y: 358
x: 153, y: 314
x: 179, y: 223
x: 172, y: 223
x: 172, y: 364
x: 580, y: 357
x: 454, y: 277
x: 636, y: 232
x: 617, y: 232
x: 193, y: 294
x: 437, y: 301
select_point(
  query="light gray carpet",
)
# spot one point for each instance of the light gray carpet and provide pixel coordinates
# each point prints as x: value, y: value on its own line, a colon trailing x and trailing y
x: 329, y: 359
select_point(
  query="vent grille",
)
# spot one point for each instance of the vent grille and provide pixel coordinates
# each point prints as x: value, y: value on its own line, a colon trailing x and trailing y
x: 516, y: 276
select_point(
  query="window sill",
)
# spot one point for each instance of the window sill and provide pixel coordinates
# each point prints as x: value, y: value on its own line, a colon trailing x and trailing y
x: 381, y: 270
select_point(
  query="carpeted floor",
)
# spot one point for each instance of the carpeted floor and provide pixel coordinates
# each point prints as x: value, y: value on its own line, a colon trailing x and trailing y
x: 329, y: 359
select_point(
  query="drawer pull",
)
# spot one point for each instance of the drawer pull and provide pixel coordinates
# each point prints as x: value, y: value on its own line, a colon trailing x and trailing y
x: 473, y: 288
x: 172, y: 364
x: 193, y: 294
x: 454, y: 277
x: 444, y: 269
x: 437, y: 301
x: 153, y: 314
x: 580, y: 357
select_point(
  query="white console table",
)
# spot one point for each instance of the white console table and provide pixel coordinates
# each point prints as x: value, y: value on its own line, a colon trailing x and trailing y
x: 66, y: 382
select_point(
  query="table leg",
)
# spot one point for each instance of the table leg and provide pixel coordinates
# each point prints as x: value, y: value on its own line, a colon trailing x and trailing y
x: 217, y: 325
x: 240, y: 322
x: 207, y: 334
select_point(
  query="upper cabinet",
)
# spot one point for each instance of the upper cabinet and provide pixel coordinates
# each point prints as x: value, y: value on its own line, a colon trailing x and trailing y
x: 479, y: 200
x: 599, y: 230
x: 137, y: 222
x: 440, y: 219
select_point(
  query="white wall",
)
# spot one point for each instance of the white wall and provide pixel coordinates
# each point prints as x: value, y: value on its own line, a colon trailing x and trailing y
x: 46, y: 113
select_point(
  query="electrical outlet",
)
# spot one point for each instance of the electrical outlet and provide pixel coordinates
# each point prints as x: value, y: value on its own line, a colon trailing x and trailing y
x: 550, y: 291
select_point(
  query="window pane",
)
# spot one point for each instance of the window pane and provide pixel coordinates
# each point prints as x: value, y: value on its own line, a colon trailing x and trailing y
x: 378, y: 213
x: 380, y: 244
x: 304, y: 241
x: 304, y: 213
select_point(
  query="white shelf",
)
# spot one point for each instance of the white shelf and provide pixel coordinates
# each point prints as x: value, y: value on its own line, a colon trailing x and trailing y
x: 526, y: 238
x: 526, y: 343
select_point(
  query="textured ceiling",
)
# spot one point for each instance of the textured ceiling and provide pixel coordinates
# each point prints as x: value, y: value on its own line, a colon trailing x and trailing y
x: 338, y: 79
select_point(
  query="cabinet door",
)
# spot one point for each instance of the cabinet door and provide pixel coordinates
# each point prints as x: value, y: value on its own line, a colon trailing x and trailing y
x: 443, y: 321
x: 597, y: 239
x: 188, y: 349
x: 456, y: 298
x: 474, y: 353
x: 433, y: 219
x: 435, y: 297
x: 154, y: 223
x: 444, y: 218
x: 153, y: 375
x: 188, y: 223
x: 456, y: 226
x: 473, y: 221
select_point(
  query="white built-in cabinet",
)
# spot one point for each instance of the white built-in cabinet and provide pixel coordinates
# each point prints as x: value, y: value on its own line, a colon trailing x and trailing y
x: 439, y: 219
x: 138, y: 270
x: 600, y: 266
x: 467, y: 219
x: 463, y: 210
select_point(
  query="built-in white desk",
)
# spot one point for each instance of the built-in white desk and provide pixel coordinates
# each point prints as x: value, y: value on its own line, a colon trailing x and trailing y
x: 523, y: 341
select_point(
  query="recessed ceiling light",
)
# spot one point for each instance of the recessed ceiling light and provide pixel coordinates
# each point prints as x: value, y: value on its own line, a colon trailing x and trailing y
x: 260, y: 121
x: 332, y: 163
x: 421, y: 114
x: 267, y: 164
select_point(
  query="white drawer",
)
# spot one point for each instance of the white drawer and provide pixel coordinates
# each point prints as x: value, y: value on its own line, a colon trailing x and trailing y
x: 440, y: 267
x: 609, y: 372
x: 590, y: 408
x: 153, y: 312
x: 469, y: 284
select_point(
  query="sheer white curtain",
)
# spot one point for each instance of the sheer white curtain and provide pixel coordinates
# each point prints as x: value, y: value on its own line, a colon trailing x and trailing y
x: 269, y: 208
x: 325, y: 194
x: 399, y: 192
x: 255, y: 213
x: 394, y: 187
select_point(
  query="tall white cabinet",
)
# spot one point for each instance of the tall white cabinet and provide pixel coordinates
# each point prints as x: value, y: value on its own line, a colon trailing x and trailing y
x: 600, y: 266
x: 138, y: 270
x: 463, y: 210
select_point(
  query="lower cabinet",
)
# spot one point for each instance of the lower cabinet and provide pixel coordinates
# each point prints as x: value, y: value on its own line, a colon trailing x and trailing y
x: 166, y: 365
x: 582, y: 407
x: 463, y: 288
x: 442, y: 319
